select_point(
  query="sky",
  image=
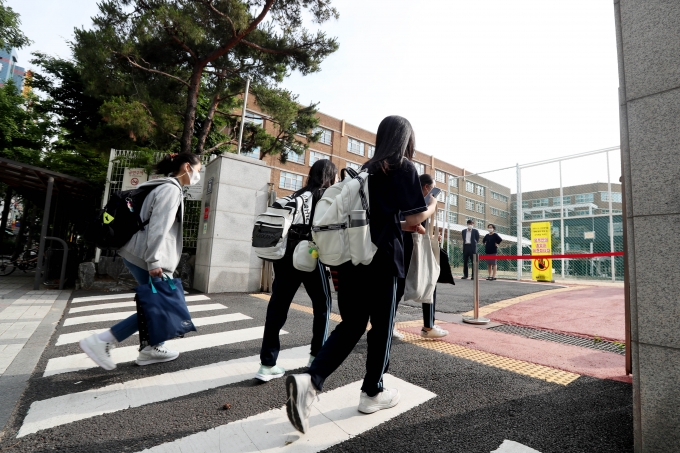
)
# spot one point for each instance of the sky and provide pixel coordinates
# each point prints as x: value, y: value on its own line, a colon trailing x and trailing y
x: 485, y: 84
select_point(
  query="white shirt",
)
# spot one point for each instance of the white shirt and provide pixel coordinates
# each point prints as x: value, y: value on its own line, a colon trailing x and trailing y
x: 468, y: 236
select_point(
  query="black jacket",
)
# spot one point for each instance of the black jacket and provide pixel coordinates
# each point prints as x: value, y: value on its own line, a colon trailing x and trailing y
x: 475, y: 237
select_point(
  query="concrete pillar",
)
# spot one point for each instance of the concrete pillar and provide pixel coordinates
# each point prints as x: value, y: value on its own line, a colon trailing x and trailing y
x: 235, y: 192
x: 648, y: 41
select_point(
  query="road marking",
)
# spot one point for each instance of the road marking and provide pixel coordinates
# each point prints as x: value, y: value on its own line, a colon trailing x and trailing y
x: 77, y: 300
x: 333, y: 316
x: 75, y: 337
x: 110, y: 305
x: 334, y: 419
x: 509, y: 446
x: 488, y: 309
x: 77, y: 362
x: 139, y: 392
x: 124, y: 314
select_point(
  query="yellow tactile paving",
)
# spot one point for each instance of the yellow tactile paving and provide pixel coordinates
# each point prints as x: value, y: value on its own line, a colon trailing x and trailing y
x: 488, y: 309
x: 517, y: 366
x: 299, y: 307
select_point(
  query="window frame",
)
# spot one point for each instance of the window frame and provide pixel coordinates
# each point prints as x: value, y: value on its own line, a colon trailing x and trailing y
x: 350, y: 148
x: 296, y: 178
x: 313, y: 153
x: 324, y: 132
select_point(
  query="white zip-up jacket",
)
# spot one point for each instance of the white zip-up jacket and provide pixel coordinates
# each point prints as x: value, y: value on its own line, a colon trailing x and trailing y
x: 159, y: 244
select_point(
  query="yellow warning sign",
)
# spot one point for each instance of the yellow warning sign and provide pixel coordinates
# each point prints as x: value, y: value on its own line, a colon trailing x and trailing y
x: 108, y: 218
x: 541, y: 244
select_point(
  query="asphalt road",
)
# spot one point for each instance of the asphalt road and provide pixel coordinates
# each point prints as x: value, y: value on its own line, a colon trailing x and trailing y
x: 475, y: 409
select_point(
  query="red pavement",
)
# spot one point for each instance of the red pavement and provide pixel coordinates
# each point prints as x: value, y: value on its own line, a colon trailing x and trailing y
x: 584, y: 361
x: 591, y: 312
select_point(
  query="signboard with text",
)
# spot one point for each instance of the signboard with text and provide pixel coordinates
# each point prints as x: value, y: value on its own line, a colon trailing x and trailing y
x: 541, y: 244
x: 132, y: 178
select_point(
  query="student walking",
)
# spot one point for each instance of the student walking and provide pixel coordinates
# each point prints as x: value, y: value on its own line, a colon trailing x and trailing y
x: 368, y: 292
x: 151, y: 252
x: 470, y: 241
x: 491, y: 241
x: 429, y: 330
x: 288, y: 279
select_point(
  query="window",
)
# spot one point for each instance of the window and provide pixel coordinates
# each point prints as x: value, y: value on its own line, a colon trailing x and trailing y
x: 314, y: 156
x: 254, y: 119
x: 479, y: 190
x: 581, y: 212
x: 290, y: 181
x: 618, y: 228
x: 326, y: 135
x: 469, y: 186
x: 440, y: 215
x: 585, y: 198
x: 297, y: 158
x: 254, y: 153
x: 525, y: 204
x: 499, y: 197
x: 442, y: 197
x: 453, y: 217
x: 480, y: 224
x: 420, y: 168
x: 354, y: 166
x: 565, y: 200
x: 355, y: 146
x: 453, y: 182
x: 480, y: 208
x: 439, y: 176
x: 616, y: 196
x: 504, y: 214
x: 469, y: 204
x: 453, y: 199
x: 540, y: 202
x: 371, y: 151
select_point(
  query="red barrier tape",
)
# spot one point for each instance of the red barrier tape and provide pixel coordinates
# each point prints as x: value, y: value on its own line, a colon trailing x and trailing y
x: 535, y: 257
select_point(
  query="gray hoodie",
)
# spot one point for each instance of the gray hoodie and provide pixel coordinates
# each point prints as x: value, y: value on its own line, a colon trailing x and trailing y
x: 159, y: 244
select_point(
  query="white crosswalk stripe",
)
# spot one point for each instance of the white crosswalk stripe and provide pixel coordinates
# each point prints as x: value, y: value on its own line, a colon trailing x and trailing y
x: 75, y: 337
x: 139, y: 392
x: 334, y: 419
x: 78, y: 300
x: 112, y: 305
x: 77, y: 362
x: 124, y: 314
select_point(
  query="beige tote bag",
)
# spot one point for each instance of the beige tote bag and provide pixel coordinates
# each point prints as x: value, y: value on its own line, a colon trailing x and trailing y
x: 423, y: 272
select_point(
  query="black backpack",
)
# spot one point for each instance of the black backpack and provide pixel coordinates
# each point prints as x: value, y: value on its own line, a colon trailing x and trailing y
x: 119, y: 220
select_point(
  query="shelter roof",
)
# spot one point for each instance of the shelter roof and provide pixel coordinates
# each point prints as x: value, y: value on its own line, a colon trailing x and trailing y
x: 24, y: 177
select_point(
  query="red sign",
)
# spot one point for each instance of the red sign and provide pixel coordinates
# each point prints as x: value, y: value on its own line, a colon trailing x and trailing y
x: 205, y: 214
x: 134, y: 181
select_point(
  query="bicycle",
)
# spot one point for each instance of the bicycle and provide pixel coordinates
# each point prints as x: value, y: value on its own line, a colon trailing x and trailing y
x: 28, y: 261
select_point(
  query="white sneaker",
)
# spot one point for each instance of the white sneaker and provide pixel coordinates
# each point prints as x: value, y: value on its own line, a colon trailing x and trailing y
x: 301, y: 394
x: 155, y: 354
x: 436, y: 332
x: 267, y: 373
x: 396, y: 334
x: 383, y: 400
x: 99, y: 351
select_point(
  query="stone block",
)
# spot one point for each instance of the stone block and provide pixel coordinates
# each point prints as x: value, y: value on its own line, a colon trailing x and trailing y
x: 231, y: 253
x: 115, y: 267
x: 227, y: 280
x: 654, y: 142
x: 659, y: 396
x: 240, y: 200
x: 657, y: 303
x: 632, y: 283
x: 201, y: 278
x: 242, y: 173
x: 235, y: 226
x: 651, y: 46
x: 86, y: 273
x: 102, y: 265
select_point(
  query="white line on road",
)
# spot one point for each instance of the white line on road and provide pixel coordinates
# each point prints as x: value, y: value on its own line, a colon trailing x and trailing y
x: 334, y: 419
x: 77, y: 362
x: 75, y: 337
x: 139, y: 392
x: 110, y: 305
x: 124, y: 314
x: 509, y: 446
x: 77, y: 300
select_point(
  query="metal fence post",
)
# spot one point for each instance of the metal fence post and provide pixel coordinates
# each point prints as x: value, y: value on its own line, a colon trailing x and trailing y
x: 476, y: 319
x: 43, y: 234
x: 562, y: 220
x: 611, y: 220
x: 520, y: 215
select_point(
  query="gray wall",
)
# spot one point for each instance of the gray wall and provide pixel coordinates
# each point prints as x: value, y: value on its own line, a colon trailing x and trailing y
x: 648, y: 40
x: 225, y: 261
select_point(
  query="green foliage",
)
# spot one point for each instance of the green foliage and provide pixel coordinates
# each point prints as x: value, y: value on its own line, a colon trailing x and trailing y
x: 10, y: 34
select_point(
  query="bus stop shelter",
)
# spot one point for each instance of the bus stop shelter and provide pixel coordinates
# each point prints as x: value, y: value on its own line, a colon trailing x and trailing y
x: 39, y: 185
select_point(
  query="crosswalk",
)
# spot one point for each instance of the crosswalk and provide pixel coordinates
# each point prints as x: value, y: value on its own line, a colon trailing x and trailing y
x: 334, y: 417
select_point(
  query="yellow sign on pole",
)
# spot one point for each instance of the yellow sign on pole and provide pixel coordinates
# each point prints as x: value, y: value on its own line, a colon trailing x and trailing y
x: 541, y: 244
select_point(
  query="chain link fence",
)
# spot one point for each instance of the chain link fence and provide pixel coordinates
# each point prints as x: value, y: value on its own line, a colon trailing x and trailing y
x: 580, y: 196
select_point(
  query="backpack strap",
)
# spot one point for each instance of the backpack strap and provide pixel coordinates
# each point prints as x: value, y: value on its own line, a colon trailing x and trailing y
x: 362, y: 193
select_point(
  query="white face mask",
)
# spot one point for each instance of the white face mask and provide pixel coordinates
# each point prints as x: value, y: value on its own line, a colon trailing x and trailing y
x: 469, y: 227
x: 490, y: 230
x: 194, y: 177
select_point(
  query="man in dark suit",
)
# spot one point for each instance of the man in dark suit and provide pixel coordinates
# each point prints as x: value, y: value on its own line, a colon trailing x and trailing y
x: 470, y: 240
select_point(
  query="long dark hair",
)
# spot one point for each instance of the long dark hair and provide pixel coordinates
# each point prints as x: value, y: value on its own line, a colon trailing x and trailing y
x: 394, y: 142
x: 321, y: 176
x: 172, y: 163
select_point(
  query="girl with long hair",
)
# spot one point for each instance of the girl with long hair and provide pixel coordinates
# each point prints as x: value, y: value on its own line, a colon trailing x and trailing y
x: 368, y: 293
x: 287, y: 279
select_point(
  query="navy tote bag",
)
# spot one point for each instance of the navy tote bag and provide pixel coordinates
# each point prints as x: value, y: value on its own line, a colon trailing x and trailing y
x: 162, y: 312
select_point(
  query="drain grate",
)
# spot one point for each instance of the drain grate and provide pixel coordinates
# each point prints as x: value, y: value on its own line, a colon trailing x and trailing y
x: 600, y: 345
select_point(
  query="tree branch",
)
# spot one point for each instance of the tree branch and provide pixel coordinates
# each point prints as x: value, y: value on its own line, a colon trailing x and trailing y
x: 210, y: 5
x: 136, y: 65
x: 210, y: 150
x: 265, y: 50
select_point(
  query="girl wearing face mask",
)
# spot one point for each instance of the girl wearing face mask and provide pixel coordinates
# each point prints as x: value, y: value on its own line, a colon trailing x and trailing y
x: 151, y: 252
x: 491, y: 241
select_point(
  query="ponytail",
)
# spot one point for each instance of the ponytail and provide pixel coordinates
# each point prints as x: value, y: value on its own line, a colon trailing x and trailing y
x: 172, y: 163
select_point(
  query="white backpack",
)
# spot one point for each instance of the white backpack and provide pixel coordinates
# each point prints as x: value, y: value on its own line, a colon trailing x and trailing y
x: 338, y: 243
x: 270, y: 233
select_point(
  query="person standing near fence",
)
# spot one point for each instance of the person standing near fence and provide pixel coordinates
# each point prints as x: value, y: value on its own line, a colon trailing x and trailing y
x: 287, y: 279
x: 470, y: 241
x: 368, y: 292
x: 151, y: 252
x: 491, y: 241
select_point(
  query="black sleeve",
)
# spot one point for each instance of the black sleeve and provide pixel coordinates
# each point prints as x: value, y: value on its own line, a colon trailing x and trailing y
x: 484, y: 240
x: 498, y: 239
x: 407, y: 190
